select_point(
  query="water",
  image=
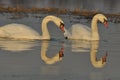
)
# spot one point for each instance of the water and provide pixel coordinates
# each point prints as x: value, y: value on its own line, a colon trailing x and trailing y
x: 111, y: 6
x: 36, y: 60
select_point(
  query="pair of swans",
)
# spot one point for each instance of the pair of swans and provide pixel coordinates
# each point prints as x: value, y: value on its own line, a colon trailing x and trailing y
x: 77, y: 31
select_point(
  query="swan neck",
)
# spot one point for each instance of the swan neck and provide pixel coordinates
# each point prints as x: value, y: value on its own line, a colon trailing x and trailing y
x: 45, y: 32
x: 44, y: 25
x: 95, y: 34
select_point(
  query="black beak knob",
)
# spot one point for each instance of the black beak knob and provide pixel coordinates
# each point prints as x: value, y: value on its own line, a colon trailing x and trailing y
x: 66, y: 37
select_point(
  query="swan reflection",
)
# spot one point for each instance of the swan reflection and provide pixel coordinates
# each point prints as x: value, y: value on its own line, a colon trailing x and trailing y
x: 17, y: 45
x: 77, y: 46
x: 14, y: 45
x: 54, y: 59
x: 92, y: 47
x: 93, y: 56
x: 80, y: 46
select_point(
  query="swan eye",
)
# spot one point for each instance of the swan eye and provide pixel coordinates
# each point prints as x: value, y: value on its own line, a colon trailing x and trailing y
x: 66, y: 37
x: 61, y: 24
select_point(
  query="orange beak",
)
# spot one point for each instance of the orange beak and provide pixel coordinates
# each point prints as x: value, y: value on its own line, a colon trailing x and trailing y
x: 62, y: 27
x: 104, y: 58
x: 105, y: 24
x: 61, y: 52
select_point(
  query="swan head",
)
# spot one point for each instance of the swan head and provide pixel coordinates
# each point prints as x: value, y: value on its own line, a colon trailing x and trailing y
x: 66, y: 34
x: 62, y: 28
x: 58, y: 22
x: 102, y: 19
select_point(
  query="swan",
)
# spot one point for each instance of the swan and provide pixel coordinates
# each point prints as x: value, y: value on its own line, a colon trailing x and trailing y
x: 20, y: 31
x: 80, y: 31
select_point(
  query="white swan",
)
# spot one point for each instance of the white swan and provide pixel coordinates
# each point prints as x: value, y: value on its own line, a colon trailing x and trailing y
x: 79, y: 31
x: 20, y: 31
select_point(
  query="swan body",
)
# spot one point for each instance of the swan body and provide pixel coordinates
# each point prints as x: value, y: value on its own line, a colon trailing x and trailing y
x: 20, y: 31
x: 80, y: 31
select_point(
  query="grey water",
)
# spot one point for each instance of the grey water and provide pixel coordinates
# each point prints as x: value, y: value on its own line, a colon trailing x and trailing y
x: 40, y: 60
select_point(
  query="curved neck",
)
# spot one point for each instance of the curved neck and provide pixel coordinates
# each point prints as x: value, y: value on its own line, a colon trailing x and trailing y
x: 94, y: 49
x: 95, y: 34
x: 45, y: 32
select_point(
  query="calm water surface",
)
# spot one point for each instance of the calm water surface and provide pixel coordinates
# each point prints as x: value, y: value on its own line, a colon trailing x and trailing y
x: 39, y: 60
